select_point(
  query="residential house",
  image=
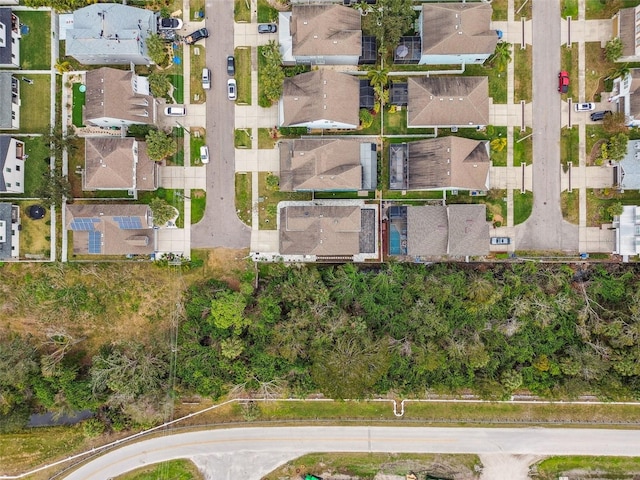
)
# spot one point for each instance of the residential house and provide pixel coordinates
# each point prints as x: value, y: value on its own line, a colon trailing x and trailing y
x: 320, y: 34
x: 448, y: 102
x: 328, y: 231
x: 627, y: 97
x: 444, y: 163
x: 438, y: 230
x: 456, y: 33
x: 12, y: 157
x: 111, y: 33
x: 9, y: 102
x: 322, y: 99
x: 625, y: 25
x: 9, y: 39
x: 115, y: 163
x: 116, y: 98
x: 100, y: 229
x: 327, y: 165
x: 627, y: 171
x: 9, y: 231
x: 627, y: 231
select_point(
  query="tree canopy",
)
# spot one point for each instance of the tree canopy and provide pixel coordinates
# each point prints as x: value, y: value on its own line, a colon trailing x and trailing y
x: 160, y: 145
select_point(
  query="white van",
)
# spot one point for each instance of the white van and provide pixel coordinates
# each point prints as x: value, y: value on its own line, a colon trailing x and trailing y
x: 206, y: 78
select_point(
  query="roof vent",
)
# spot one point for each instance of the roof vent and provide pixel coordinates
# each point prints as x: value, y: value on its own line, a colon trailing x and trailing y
x: 335, y: 42
x: 475, y: 166
x: 460, y: 98
x: 305, y: 23
x: 325, y: 107
x: 315, y: 36
x: 295, y: 98
x: 301, y: 153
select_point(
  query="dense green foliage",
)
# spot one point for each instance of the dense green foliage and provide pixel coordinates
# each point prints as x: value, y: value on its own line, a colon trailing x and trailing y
x: 352, y: 332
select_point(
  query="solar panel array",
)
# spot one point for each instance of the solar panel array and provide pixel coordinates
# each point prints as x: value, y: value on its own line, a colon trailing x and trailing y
x: 128, y: 223
x: 95, y: 242
x: 84, y: 224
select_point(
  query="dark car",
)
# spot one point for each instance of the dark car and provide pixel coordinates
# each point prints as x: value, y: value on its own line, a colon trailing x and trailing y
x: 597, y: 116
x: 197, y: 35
x: 267, y: 28
x: 170, y: 23
x: 563, y: 82
x: 231, y: 65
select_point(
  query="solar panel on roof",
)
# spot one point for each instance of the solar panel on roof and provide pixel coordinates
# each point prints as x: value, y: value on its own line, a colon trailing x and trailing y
x: 128, y: 223
x: 84, y: 224
x: 95, y: 242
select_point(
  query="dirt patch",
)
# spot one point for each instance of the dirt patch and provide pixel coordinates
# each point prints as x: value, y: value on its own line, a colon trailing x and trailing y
x: 507, y: 467
x: 595, y: 152
x: 227, y: 265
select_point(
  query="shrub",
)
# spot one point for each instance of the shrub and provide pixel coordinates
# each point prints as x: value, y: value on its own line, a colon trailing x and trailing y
x: 366, y: 119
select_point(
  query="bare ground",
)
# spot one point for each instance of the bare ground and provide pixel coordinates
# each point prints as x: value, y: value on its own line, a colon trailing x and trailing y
x: 507, y: 467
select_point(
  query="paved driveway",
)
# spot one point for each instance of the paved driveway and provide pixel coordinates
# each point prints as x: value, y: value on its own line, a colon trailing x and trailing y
x: 220, y: 226
x: 546, y: 229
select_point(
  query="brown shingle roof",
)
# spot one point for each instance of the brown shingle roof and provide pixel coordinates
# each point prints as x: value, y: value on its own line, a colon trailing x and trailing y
x: 114, y: 241
x: 628, y: 31
x: 110, y: 164
x: 110, y: 94
x: 634, y: 93
x: 448, y: 101
x: 320, y: 230
x: 455, y: 29
x: 321, y: 94
x: 448, y: 162
x: 427, y: 230
x: 311, y: 164
x: 320, y: 30
x: 468, y: 230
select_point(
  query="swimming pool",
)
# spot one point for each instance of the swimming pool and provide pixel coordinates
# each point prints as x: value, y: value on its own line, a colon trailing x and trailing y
x: 394, y: 241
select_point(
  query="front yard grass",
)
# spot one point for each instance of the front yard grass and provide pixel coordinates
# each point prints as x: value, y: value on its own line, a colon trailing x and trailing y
x: 523, y: 65
x: 197, y: 139
x: 266, y: 13
x: 598, y: 9
x: 198, y: 205
x: 588, y: 467
x: 569, y: 147
x: 594, y: 133
x: 178, y: 91
x: 243, y: 197
x: 494, y: 200
x: 35, y: 46
x: 269, y: 199
x: 175, y: 469
x: 265, y: 140
x: 597, y: 68
x: 522, y: 8
x: 241, y: 11
x: 36, y: 165
x: 242, y: 138
x: 78, y: 103
x: 35, y: 234
x: 497, y: 80
x: 570, y: 64
x: 500, y: 8
x: 522, y: 149
x: 172, y: 197
x: 35, y: 105
x: 243, y: 74
x: 198, y: 62
x: 522, y: 206
x: 569, y: 8
x: 570, y: 206
x: 599, y: 200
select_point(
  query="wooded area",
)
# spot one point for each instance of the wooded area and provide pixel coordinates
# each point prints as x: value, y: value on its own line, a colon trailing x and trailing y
x: 349, y: 331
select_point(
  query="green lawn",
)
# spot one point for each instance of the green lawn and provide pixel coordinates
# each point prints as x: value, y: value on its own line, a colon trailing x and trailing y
x: 522, y: 149
x: 197, y: 139
x: 36, y: 165
x: 174, y: 469
x: 522, y: 206
x: 270, y: 199
x: 78, y: 103
x: 198, y: 62
x: 523, y: 63
x: 570, y: 64
x: 570, y: 206
x: 178, y: 92
x: 497, y: 80
x: 35, y: 234
x: 35, y: 46
x: 266, y: 13
x: 243, y: 197
x: 172, y: 197
x: 242, y: 138
x: 198, y: 205
x: 396, y: 124
x: 569, y: 146
x: 35, y: 105
x: 598, y: 9
x: 569, y: 8
x: 265, y: 140
x: 243, y: 74
x: 196, y: 7
x: 241, y: 11
x: 522, y: 8
x: 589, y: 467
x: 500, y: 8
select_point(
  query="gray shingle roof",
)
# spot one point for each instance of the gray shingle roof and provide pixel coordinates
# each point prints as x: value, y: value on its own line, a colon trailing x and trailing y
x: 5, y: 51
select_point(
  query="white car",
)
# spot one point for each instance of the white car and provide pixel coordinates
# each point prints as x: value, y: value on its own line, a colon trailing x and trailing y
x: 585, y: 107
x: 204, y: 154
x: 175, y: 111
x: 231, y: 89
x: 206, y: 78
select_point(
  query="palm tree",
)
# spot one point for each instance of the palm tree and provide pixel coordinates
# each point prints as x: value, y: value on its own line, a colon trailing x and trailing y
x: 378, y: 77
x: 501, y: 56
x: 619, y: 71
x: 63, y: 66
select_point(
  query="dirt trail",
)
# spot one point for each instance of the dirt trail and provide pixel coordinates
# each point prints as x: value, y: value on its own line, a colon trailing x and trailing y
x: 501, y: 466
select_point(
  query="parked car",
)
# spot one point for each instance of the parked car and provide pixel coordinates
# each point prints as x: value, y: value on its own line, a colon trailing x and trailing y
x: 170, y: 23
x: 197, y: 35
x: 204, y: 154
x: 206, y: 78
x: 597, y: 116
x: 231, y: 65
x: 231, y: 89
x: 500, y: 240
x: 585, y: 107
x: 267, y: 28
x: 175, y: 111
x: 563, y: 81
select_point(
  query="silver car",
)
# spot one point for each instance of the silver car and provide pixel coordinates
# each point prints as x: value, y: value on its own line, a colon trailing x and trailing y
x: 231, y: 89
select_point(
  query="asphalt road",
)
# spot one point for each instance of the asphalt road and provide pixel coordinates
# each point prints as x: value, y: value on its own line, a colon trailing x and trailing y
x: 220, y: 226
x: 546, y: 229
x: 255, y: 451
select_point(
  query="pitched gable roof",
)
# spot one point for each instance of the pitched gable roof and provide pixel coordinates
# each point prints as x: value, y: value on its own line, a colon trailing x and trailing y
x: 448, y: 162
x: 311, y: 164
x: 321, y: 94
x: 461, y: 28
x: 110, y: 94
x: 320, y: 230
x: 320, y: 30
x: 468, y: 230
x: 455, y: 101
x: 627, y: 31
